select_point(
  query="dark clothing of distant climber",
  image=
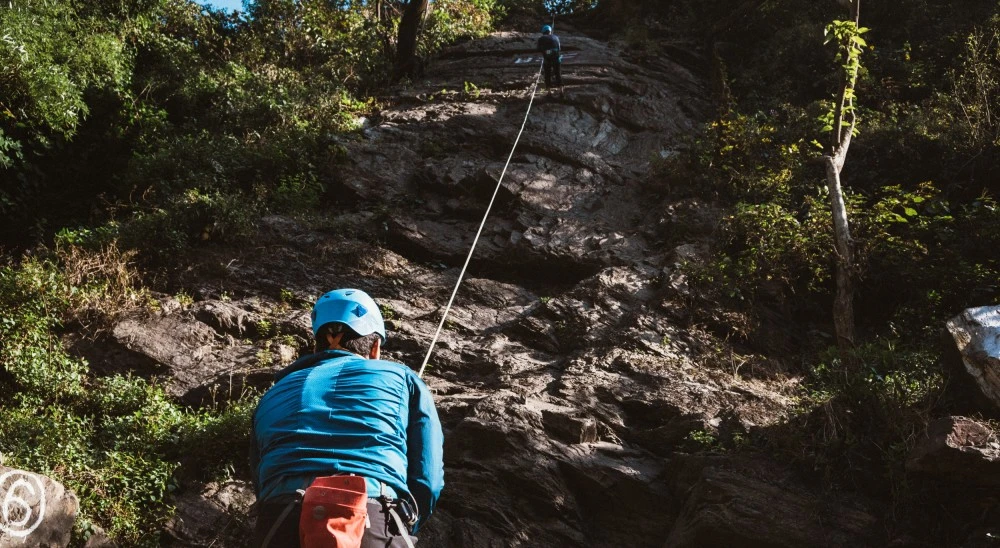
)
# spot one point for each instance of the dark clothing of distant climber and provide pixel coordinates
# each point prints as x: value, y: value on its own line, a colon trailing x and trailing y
x: 550, y: 48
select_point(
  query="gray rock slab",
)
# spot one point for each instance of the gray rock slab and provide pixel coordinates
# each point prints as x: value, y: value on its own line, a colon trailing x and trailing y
x: 36, y: 510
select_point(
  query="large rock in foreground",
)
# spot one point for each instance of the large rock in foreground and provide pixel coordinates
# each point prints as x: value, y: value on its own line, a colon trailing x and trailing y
x: 35, y: 511
x: 977, y: 335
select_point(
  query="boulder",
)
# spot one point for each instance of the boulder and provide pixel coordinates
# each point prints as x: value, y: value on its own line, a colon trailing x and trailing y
x: 977, y: 334
x: 958, y: 449
x: 192, y: 354
x: 227, y: 317
x: 734, y: 503
x: 36, y: 510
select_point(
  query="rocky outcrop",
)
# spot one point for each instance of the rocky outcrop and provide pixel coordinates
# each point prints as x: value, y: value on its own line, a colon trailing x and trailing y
x: 571, y: 201
x: 210, y: 351
x: 958, y: 449
x: 522, y: 470
x: 34, y: 510
x: 977, y: 334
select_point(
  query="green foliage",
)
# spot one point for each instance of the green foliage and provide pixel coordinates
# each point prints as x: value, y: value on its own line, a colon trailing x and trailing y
x: 34, y: 299
x: 449, y: 20
x: 975, y: 89
x: 908, y: 205
x: 897, y: 378
x: 118, y: 442
x: 569, y: 6
x: 766, y: 245
x: 215, y: 443
x: 296, y: 193
x: 53, y: 54
x: 746, y: 158
x: 199, y: 120
x: 847, y: 36
x: 471, y: 90
x: 50, y: 55
x: 706, y: 441
x: 858, y: 426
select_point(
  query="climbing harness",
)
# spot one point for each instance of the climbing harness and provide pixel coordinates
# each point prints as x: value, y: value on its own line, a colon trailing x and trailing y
x: 334, y: 512
x: 266, y: 543
x: 475, y: 241
x: 398, y: 510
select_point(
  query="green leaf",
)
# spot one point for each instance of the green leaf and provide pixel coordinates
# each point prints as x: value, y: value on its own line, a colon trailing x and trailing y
x: 910, y: 212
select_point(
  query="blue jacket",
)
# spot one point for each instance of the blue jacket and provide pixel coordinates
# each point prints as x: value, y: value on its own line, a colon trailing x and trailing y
x: 336, y: 412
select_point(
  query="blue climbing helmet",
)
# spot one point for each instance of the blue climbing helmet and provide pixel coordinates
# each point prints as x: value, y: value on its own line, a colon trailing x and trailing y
x: 547, y: 29
x: 351, y: 307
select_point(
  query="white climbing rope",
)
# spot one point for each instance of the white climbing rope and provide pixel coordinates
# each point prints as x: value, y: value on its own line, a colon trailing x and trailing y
x: 461, y: 276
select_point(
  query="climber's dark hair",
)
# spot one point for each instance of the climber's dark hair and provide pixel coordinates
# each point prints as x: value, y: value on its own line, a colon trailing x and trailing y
x: 358, y: 344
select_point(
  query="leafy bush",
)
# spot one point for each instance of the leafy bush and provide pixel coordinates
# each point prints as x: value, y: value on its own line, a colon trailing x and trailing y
x: 52, y: 55
x: 857, y: 426
x: 118, y: 442
x: 36, y: 368
x: 453, y: 19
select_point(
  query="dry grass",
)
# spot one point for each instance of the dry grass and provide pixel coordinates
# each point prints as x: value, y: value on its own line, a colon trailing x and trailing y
x: 106, y: 281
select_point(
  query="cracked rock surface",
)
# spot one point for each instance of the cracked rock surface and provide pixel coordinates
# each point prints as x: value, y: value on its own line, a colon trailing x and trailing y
x: 567, y: 377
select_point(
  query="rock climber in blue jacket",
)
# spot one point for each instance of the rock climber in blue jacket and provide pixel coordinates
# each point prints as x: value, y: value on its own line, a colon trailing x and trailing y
x: 548, y: 45
x: 342, y: 411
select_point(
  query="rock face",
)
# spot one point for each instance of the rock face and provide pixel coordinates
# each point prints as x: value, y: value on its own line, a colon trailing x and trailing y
x: 960, y: 450
x: 567, y: 376
x: 204, y: 353
x: 212, y: 514
x: 34, y: 510
x: 977, y: 334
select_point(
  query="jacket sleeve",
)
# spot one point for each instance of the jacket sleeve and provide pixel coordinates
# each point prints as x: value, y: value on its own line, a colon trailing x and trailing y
x: 424, y: 451
x: 558, y: 47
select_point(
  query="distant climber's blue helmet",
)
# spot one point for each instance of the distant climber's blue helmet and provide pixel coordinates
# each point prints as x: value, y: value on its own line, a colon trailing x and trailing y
x: 351, y: 307
x: 547, y: 29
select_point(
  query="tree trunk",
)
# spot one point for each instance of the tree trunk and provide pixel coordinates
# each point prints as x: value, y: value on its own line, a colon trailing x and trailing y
x: 406, y: 44
x: 843, y: 302
x: 840, y: 142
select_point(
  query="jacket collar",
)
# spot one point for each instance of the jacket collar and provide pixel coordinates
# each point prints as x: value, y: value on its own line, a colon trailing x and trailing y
x: 312, y: 360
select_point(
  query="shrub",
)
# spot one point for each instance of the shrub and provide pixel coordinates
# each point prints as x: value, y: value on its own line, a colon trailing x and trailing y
x: 34, y: 296
x: 118, y: 442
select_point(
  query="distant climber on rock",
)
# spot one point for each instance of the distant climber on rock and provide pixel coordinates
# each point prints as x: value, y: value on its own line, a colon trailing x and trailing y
x: 346, y: 448
x: 548, y: 45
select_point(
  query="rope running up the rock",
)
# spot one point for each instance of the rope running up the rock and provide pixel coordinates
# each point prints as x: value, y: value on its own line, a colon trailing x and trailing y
x: 461, y: 276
